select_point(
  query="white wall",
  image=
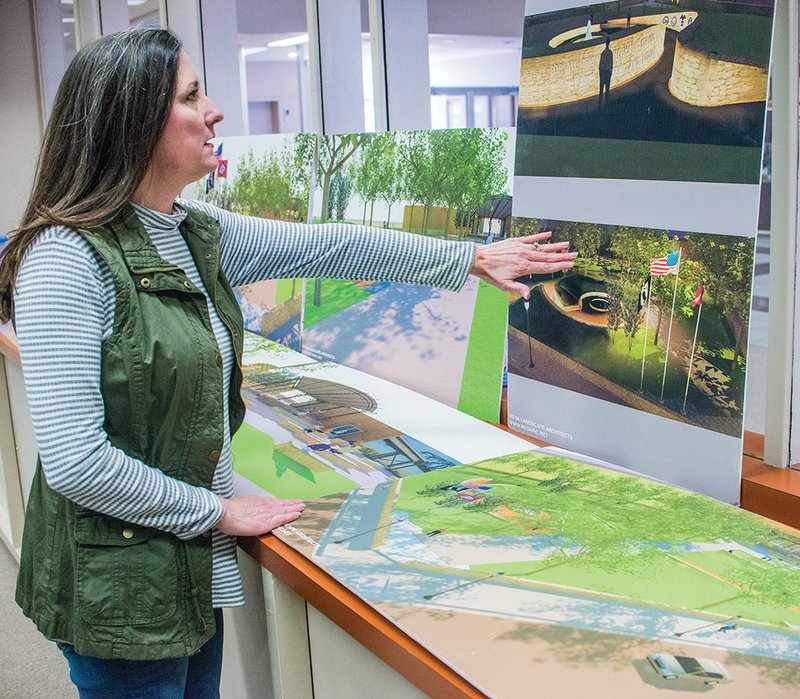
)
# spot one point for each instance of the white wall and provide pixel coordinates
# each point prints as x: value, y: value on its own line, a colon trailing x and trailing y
x: 20, y: 116
x: 479, y: 17
x: 276, y: 81
x: 493, y: 70
x: 271, y: 16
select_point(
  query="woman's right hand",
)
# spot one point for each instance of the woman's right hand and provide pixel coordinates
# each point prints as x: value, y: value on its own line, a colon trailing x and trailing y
x: 253, y: 515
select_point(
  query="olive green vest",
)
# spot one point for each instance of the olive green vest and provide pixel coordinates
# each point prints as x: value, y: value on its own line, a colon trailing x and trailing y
x: 111, y: 588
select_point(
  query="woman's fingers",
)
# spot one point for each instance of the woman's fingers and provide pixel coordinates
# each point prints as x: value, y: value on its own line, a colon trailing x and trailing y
x: 535, y: 238
x: 252, y: 515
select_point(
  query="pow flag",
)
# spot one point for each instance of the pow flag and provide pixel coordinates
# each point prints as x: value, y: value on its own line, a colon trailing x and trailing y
x: 644, y: 293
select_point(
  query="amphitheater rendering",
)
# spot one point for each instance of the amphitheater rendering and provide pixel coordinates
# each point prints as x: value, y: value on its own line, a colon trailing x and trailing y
x: 676, y: 92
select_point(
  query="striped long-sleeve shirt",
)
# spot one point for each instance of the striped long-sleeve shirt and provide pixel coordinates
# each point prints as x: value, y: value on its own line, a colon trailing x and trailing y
x: 64, y: 309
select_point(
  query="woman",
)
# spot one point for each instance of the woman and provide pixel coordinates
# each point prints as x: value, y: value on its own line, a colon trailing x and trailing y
x: 130, y: 339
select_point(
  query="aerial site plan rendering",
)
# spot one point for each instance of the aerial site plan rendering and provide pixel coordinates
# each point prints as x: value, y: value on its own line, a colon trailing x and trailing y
x: 605, y: 578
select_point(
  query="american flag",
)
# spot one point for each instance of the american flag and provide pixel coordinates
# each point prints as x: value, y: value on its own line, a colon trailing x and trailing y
x: 665, y: 265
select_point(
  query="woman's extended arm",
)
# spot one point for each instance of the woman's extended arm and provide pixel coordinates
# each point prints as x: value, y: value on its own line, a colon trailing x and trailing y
x: 254, y: 249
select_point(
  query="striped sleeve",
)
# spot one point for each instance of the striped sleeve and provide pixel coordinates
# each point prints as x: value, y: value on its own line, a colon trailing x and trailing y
x: 64, y: 300
x: 254, y: 249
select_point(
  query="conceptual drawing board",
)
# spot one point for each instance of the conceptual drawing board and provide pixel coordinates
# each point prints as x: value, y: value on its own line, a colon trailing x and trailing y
x: 450, y: 184
x: 269, y: 177
x: 639, y: 140
x: 516, y: 566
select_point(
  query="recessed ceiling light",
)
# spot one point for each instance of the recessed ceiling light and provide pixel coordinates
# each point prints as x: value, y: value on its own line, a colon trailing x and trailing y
x: 291, y: 41
x: 292, y: 54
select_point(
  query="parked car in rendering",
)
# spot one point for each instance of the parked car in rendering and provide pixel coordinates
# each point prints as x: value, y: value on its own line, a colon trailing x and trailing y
x: 671, y: 667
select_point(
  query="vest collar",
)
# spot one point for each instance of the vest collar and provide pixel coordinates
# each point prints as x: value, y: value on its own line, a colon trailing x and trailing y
x: 141, y: 255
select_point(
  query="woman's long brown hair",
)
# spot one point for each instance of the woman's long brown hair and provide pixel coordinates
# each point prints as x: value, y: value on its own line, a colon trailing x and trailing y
x: 110, y: 110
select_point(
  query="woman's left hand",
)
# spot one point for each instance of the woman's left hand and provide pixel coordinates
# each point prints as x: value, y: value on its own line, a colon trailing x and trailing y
x: 503, y: 262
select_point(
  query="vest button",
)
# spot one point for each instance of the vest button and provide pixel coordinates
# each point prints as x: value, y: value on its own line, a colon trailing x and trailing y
x: 214, y: 456
x: 188, y: 284
x: 218, y: 360
x: 127, y: 533
x: 144, y: 282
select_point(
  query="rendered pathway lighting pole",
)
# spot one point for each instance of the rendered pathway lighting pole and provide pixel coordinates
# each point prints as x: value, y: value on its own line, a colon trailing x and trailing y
x: 527, y: 305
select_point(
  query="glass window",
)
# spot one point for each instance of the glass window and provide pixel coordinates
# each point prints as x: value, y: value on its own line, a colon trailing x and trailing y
x: 145, y: 13
x: 69, y: 30
x: 474, y: 54
x: 481, y: 111
x: 256, y: 65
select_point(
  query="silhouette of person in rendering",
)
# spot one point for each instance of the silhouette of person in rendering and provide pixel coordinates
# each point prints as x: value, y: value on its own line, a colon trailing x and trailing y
x: 629, y: 19
x: 606, y: 68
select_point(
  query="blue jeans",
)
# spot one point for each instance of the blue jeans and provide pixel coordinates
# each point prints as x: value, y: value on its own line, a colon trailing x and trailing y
x: 195, y: 677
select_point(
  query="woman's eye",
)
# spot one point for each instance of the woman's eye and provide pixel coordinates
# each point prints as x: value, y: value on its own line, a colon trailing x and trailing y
x: 192, y: 95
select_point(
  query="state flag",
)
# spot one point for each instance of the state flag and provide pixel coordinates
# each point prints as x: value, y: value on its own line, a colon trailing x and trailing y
x: 698, y: 297
x: 222, y: 168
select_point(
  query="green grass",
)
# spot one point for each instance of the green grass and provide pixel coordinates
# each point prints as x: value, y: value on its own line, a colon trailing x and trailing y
x: 423, y: 512
x: 568, y: 156
x: 666, y: 582
x: 255, y: 458
x: 741, y: 38
x: 483, y: 364
x: 337, y: 295
x: 703, y: 580
x: 663, y: 581
x: 284, y: 291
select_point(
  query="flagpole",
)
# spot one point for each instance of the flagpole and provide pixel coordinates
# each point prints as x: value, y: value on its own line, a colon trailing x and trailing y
x: 646, y: 328
x: 669, y: 332
x: 691, y: 359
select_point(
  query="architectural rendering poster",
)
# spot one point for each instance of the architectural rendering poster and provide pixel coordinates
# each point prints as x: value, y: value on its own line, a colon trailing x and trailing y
x: 449, y: 184
x: 649, y: 164
x: 266, y: 176
x: 317, y: 428
x: 655, y: 94
x: 512, y: 565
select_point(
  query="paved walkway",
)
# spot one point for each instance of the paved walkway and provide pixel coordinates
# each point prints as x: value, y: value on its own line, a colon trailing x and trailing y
x: 411, y: 335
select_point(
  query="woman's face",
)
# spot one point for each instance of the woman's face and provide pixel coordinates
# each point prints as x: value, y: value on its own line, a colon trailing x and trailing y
x: 184, y: 153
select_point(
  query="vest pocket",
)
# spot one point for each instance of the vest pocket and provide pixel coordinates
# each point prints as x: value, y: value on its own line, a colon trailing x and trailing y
x: 126, y: 575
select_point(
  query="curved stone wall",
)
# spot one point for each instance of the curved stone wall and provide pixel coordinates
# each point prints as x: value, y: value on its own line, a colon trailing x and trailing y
x: 706, y: 81
x: 573, y: 75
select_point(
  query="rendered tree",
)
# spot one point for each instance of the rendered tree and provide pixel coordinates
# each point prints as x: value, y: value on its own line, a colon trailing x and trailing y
x: 376, y: 172
x: 422, y: 155
x: 729, y: 267
x: 521, y: 227
x: 341, y: 189
x: 334, y: 153
x: 275, y: 185
x: 614, y: 315
x: 476, y: 164
x: 633, y: 248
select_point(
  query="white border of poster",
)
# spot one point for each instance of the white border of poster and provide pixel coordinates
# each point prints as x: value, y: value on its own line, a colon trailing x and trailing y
x: 682, y: 454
